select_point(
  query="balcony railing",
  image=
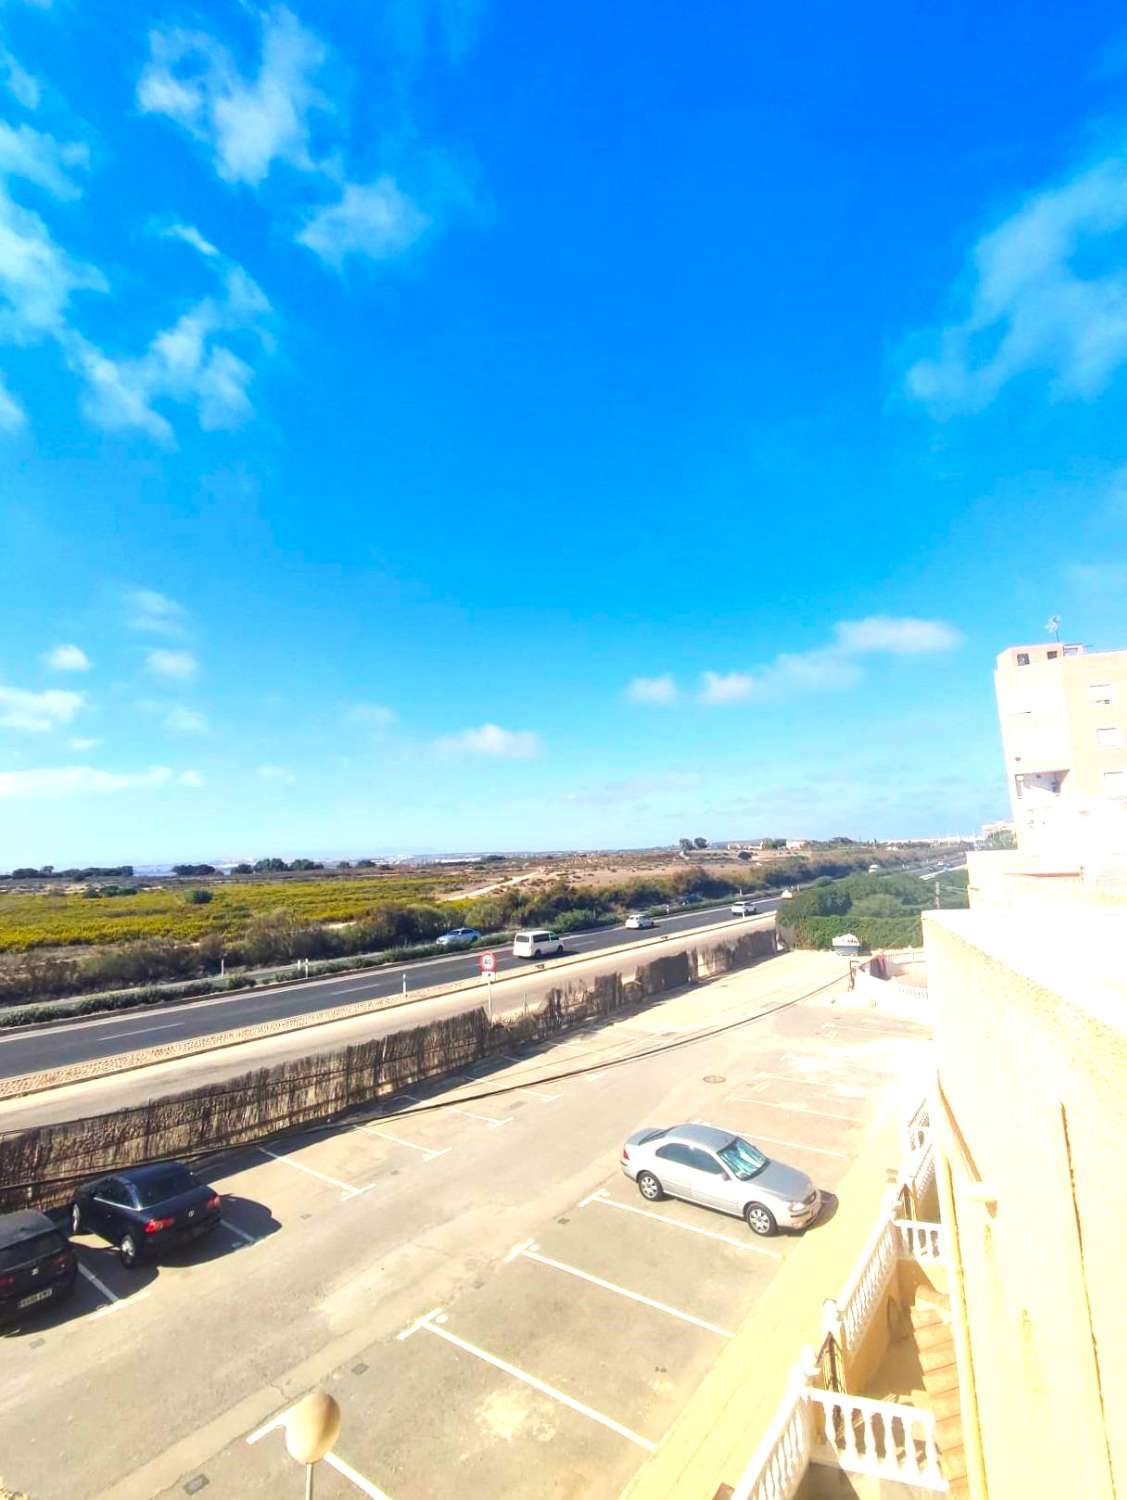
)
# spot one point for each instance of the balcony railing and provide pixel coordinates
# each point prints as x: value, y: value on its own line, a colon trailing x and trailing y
x: 919, y: 1241
x: 881, y: 1438
x: 849, y: 1316
x: 778, y: 1464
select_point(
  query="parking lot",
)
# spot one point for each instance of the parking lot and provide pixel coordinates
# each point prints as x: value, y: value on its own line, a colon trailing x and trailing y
x: 468, y: 1270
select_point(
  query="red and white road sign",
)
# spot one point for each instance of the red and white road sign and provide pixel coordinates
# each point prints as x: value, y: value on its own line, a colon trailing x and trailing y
x: 488, y: 963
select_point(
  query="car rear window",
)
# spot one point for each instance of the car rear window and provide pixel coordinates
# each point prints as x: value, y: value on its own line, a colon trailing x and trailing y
x: 653, y: 1135
x: 167, y: 1184
x: 24, y: 1251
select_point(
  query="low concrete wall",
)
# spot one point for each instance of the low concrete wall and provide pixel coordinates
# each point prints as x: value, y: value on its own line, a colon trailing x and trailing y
x: 40, y: 1167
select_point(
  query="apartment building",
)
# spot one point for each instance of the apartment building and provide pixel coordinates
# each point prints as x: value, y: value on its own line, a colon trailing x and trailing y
x: 1063, y: 716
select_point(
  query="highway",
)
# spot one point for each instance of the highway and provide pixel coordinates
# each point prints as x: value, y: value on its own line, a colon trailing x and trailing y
x: 63, y: 1043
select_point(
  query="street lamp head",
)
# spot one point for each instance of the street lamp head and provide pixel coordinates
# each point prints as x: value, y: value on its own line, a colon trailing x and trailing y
x: 312, y: 1427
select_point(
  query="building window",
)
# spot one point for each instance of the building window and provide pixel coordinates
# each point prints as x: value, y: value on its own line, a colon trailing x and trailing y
x: 1019, y: 782
x: 1100, y: 692
x: 1109, y: 739
x: 1072, y: 651
x: 1115, y: 783
x: 1050, y: 656
x: 1023, y: 658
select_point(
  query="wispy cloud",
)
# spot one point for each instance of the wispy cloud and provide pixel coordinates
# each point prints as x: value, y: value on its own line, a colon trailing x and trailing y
x: 376, y: 220
x: 51, y: 783
x: 37, y: 712
x: 191, y: 236
x: 181, y: 720
x: 82, y: 742
x: 12, y: 415
x: 276, y: 773
x: 370, y: 715
x: 491, y: 740
x: 1098, y: 578
x: 1047, y: 293
x: 67, y: 658
x: 247, y: 121
x: 180, y: 666
x: 190, y: 778
x: 834, y: 666
x: 653, y: 689
x: 22, y: 85
x: 153, y: 613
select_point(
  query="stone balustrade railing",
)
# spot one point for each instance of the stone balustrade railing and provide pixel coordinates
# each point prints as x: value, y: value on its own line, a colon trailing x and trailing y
x: 881, y: 1438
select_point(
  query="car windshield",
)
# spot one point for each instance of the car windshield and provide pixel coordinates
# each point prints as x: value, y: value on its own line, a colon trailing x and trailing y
x: 24, y: 1251
x: 743, y: 1160
x: 163, y: 1185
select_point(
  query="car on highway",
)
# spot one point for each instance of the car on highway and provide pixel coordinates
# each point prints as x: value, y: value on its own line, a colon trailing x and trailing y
x: 744, y: 908
x: 37, y: 1265
x: 457, y: 937
x: 146, y: 1210
x: 536, y: 944
x: 638, y: 919
x: 720, y: 1169
x: 787, y: 895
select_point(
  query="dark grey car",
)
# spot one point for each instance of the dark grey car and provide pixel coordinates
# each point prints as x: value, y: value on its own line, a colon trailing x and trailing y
x: 719, y: 1169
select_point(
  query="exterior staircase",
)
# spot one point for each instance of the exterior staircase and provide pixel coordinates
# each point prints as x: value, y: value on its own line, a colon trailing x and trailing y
x: 930, y: 1315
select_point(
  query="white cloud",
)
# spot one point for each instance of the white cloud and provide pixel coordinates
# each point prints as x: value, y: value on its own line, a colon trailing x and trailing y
x: 190, y: 778
x: 653, y: 689
x: 12, y: 414
x: 726, y: 687
x: 41, y: 159
x: 179, y: 665
x: 276, y: 773
x: 371, y: 715
x: 81, y: 743
x: 376, y: 220
x: 37, y: 712
x: 1048, y: 293
x: 53, y: 782
x: 37, y: 277
x: 22, y: 86
x: 67, y: 659
x: 181, y: 720
x: 191, y: 236
x: 248, y: 121
x: 834, y: 667
x: 900, y: 637
x: 183, y: 363
x: 491, y: 739
x: 153, y: 613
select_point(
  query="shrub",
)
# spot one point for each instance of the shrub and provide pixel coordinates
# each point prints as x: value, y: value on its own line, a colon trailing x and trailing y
x: 199, y: 897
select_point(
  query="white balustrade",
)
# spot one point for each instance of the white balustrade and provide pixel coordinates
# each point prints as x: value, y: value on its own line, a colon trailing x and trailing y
x: 881, y: 1438
x: 866, y: 1286
x: 778, y: 1464
x: 920, y: 1241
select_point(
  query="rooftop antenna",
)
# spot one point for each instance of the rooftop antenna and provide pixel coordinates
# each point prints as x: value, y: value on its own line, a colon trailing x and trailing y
x: 1053, y: 626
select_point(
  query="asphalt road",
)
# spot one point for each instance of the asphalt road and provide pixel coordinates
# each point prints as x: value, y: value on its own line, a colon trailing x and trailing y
x: 79, y: 1041
x: 469, y: 1273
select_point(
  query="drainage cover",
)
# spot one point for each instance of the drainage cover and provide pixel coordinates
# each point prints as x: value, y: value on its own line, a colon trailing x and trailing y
x: 714, y: 1078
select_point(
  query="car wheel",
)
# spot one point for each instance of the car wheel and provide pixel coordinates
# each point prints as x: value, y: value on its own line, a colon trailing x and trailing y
x: 75, y: 1219
x: 649, y: 1187
x: 128, y: 1252
x: 760, y: 1220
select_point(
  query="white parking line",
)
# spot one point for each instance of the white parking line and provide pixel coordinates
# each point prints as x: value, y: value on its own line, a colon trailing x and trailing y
x: 386, y: 1135
x: 491, y: 1120
x: 113, y: 1301
x: 801, y: 1146
x: 417, y: 1324
x: 607, y: 1201
x: 536, y: 1094
x: 532, y: 1252
x: 250, y: 1239
x: 275, y: 1421
x: 346, y: 1189
x: 531, y: 1380
x: 353, y: 1477
x: 800, y: 1109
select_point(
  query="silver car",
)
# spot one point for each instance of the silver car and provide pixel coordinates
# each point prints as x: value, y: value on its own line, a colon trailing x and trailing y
x: 719, y: 1169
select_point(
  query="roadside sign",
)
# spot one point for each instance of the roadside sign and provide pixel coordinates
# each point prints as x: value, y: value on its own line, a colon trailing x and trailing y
x: 488, y: 963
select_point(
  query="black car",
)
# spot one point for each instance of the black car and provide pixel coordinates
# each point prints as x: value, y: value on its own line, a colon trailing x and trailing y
x: 145, y: 1210
x: 37, y: 1264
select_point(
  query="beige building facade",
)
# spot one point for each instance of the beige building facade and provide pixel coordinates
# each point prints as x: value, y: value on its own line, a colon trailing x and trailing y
x: 1063, y: 716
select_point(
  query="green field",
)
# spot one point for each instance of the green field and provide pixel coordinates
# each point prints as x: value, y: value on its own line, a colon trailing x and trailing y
x: 54, y: 919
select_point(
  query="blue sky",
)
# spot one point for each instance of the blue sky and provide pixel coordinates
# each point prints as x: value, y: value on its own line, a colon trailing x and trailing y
x: 454, y: 424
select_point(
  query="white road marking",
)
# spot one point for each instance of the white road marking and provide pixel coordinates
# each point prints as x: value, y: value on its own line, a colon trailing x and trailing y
x: 536, y: 1094
x: 251, y: 1239
x: 113, y: 1301
x: 417, y: 1324
x: 491, y: 1120
x: 99, y: 1284
x: 518, y: 1250
x: 386, y: 1135
x: 346, y: 1188
x: 532, y: 1252
x: 144, y: 1030
x: 353, y: 1477
x: 275, y: 1421
x: 801, y: 1146
x: 607, y: 1201
x: 800, y: 1109
x: 598, y: 1193
x: 537, y: 1385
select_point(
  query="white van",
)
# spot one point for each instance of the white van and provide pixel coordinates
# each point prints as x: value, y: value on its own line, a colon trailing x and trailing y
x: 535, y: 944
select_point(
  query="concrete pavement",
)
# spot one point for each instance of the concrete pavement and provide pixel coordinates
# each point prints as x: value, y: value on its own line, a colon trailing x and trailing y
x: 555, y: 1325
